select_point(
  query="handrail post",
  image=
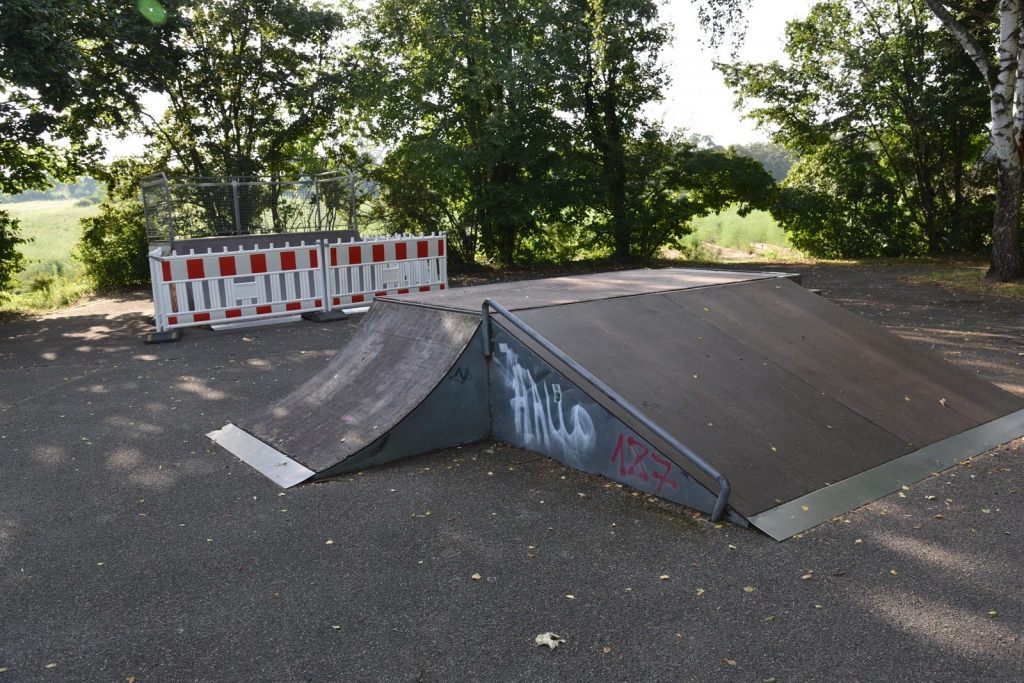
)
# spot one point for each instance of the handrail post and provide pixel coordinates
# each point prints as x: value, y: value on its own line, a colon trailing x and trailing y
x: 723, y: 484
x: 485, y: 326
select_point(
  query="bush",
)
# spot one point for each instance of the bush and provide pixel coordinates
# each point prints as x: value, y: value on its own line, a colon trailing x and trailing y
x: 11, y: 260
x: 112, y: 249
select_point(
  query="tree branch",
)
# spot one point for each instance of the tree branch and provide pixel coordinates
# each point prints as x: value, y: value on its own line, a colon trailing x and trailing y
x: 975, y: 50
x: 976, y: 13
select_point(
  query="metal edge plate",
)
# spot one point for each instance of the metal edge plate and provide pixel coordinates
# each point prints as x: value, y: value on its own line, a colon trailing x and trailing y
x: 276, y: 466
x: 808, y: 511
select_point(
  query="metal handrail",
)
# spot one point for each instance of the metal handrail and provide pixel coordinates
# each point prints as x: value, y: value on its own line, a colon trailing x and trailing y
x: 723, y: 483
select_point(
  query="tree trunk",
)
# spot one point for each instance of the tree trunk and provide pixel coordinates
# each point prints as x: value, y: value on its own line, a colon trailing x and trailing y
x: 1007, y: 259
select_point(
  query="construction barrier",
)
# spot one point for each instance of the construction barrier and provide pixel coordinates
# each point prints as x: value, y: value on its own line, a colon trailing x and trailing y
x: 359, y: 271
x: 254, y: 284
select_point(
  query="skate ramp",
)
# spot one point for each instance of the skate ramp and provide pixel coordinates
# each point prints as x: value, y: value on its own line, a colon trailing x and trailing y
x: 781, y: 391
x: 391, y: 365
x: 807, y: 410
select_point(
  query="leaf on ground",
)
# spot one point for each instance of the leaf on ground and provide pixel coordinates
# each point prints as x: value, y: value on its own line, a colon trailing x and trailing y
x: 730, y: 662
x: 552, y: 640
x: 749, y: 589
x: 476, y: 577
x: 571, y: 597
x: 664, y: 577
x: 607, y: 650
x: 329, y: 543
x: 700, y: 592
x: 993, y: 614
x: 50, y: 665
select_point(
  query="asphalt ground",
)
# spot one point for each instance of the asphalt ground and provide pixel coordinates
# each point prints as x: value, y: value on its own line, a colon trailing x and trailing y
x: 132, y: 549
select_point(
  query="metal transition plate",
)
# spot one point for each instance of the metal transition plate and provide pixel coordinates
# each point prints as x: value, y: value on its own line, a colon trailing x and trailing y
x: 284, y: 471
x: 824, y: 504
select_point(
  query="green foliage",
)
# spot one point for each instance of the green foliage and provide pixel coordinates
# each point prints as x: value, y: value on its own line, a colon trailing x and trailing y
x: 888, y: 124
x: 113, y: 245
x: 519, y: 129
x: 670, y: 181
x: 112, y: 249
x: 729, y: 229
x: 469, y: 90
x: 260, y: 81
x: 614, y: 47
x: 11, y: 260
x: 776, y: 159
x: 68, y: 67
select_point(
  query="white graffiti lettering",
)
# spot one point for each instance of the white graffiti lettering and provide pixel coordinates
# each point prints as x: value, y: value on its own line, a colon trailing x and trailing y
x: 539, y: 417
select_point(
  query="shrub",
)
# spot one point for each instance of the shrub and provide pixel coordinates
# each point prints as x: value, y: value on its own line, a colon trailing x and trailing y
x: 112, y: 249
x: 11, y: 260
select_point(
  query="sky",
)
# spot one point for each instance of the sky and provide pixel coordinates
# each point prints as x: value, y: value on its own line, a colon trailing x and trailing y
x: 697, y: 100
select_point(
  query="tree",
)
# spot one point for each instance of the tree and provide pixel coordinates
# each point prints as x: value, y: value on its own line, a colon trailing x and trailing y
x: 887, y: 123
x: 991, y: 36
x: 613, y: 47
x: 671, y: 181
x: 113, y: 246
x: 469, y: 86
x: 11, y: 260
x: 67, y: 68
x: 776, y: 159
x: 257, y: 81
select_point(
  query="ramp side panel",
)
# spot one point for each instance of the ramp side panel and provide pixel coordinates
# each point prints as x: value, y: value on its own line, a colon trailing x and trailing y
x: 535, y: 407
x: 774, y: 437
x: 820, y: 506
x: 456, y: 412
x: 396, y: 357
x: 888, y: 380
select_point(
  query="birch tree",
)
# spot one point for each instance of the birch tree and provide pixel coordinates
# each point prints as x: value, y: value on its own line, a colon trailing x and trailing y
x: 993, y: 42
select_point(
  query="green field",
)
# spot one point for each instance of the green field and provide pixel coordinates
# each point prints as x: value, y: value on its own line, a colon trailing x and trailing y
x: 728, y: 229
x: 54, y: 229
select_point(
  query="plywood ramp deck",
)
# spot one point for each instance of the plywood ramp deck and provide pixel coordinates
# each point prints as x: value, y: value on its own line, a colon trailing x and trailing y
x: 778, y: 389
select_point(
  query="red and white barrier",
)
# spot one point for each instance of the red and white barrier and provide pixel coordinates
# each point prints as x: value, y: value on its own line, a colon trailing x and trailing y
x: 384, y: 266
x: 244, y: 285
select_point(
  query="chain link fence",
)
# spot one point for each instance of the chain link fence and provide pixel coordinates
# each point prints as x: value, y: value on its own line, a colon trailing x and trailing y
x: 192, y: 207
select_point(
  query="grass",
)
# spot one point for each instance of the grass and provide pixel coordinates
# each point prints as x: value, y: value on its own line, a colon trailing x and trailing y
x: 52, y: 225
x: 971, y: 278
x: 50, y: 279
x: 728, y: 229
x: 727, y: 236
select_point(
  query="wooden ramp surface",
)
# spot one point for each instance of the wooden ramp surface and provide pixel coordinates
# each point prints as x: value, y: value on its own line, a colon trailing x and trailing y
x: 780, y: 390
x: 396, y: 357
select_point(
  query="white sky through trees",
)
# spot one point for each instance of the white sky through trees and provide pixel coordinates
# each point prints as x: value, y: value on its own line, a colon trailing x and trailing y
x: 697, y: 99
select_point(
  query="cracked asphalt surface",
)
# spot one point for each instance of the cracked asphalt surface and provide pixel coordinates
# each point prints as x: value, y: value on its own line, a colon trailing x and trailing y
x: 133, y: 549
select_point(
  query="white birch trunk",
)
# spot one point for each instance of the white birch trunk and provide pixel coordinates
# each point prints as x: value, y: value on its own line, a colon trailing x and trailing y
x: 1006, y: 95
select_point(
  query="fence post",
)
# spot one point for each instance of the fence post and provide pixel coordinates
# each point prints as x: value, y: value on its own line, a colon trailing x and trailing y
x: 234, y: 194
x: 159, y: 295
x: 355, y: 216
x: 316, y: 193
x: 324, y: 251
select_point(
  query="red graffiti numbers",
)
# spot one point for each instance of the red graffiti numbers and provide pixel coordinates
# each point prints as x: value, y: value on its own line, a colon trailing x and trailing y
x: 627, y: 447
